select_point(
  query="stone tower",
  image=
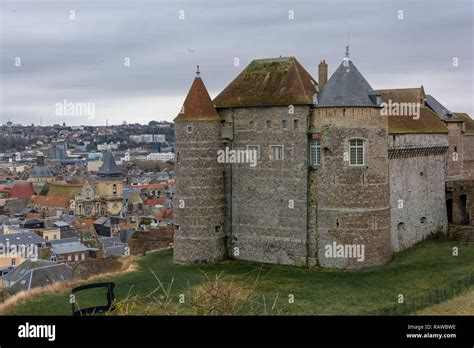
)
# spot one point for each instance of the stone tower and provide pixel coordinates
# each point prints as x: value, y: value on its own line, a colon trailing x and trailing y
x: 110, y: 187
x: 199, y: 198
x: 351, y: 183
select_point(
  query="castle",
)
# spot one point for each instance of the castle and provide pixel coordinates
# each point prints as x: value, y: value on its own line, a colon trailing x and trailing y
x: 345, y: 175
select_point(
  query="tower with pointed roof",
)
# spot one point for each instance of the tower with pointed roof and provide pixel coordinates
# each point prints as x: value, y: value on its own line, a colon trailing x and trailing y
x: 199, y: 198
x: 349, y: 189
x: 109, y: 187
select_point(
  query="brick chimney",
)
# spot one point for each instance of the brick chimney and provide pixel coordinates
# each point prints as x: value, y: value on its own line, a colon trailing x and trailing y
x: 322, y: 74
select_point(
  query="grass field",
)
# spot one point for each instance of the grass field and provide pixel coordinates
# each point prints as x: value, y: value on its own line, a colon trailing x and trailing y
x: 460, y: 305
x: 315, y: 291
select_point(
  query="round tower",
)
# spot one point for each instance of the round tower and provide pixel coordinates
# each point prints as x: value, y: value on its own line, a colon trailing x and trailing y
x: 353, y: 205
x: 198, y: 203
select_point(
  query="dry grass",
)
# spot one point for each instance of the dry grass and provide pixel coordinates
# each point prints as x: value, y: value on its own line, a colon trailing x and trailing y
x: 460, y: 305
x: 128, y: 265
x: 213, y: 296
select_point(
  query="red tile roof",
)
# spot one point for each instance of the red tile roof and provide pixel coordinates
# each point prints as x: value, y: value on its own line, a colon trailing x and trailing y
x: 198, y: 104
x: 22, y: 190
x: 155, y: 201
x: 51, y: 201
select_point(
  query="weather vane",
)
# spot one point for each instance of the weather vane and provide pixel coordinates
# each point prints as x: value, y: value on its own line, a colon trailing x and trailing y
x: 197, y: 71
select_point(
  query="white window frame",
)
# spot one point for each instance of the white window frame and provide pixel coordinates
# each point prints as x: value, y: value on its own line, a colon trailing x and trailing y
x: 315, y: 153
x: 359, y: 148
x: 270, y: 152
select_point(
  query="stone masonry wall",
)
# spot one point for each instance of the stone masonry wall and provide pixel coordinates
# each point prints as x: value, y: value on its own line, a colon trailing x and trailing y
x: 417, y: 192
x: 266, y: 206
x: 198, y: 203
x: 352, y: 201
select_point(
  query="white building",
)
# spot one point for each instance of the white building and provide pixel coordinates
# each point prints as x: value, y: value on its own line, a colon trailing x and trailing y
x: 160, y: 156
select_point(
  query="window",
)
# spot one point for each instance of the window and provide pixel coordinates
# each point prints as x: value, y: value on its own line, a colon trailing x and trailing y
x: 252, y: 125
x: 356, y: 152
x: 69, y: 258
x: 284, y: 124
x: 315, y: 153
x: 46, y: 237
x: 83, y: 256
x: 13, y: 262
x: 276, y: 152
x: 401, y: 226
x: 189, y: 129
x: 114, y: 189
x: 296, y: 124
x: 269, y: 124
x: 423, y: 220
x: 76, y: 257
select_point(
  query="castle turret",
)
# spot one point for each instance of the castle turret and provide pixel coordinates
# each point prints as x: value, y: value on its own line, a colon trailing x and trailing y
x: 351, y: 181
x: 199, y: 199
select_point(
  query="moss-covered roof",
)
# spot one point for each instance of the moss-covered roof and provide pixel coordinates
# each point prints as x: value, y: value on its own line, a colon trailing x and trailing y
x: 51, y: 189
x: 403, y: 95
x: 273, y: 81
x: 198, y: 105
x: 428, y: 122
x: 468, y: 121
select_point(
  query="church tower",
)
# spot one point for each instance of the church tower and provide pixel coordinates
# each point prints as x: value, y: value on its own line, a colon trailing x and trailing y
x: 110, y: 187
x: 198, y: 203
x: 352, y: 179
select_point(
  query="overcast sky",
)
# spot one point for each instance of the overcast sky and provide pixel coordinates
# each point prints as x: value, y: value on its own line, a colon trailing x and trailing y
x: 82, y: 59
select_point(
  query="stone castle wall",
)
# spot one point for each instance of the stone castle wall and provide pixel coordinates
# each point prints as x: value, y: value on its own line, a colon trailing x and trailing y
x: 266, y: 206
x: 417, y: 188
x: 352, y: 201
x: 198, y: 202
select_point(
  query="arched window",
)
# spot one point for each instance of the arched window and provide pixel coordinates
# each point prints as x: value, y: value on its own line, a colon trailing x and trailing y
x: 401, y: 226
x: 114, y: 189
x: 356, y: 152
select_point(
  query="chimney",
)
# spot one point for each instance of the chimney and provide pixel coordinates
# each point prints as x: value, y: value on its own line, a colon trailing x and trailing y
x: 322, y: 74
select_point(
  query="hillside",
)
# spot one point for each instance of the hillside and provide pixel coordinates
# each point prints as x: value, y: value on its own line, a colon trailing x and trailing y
x: 156, y: 285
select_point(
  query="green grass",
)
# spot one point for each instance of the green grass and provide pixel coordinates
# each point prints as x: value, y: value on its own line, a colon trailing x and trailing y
x: 316, y: 291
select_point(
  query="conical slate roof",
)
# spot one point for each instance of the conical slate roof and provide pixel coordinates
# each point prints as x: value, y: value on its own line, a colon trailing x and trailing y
x: 109, y: 167
x: 198, y: 105
x: 346, y: 87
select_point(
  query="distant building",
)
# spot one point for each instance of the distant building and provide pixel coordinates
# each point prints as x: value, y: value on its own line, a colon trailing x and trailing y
x: 160, y: 156
x: 148, y: 138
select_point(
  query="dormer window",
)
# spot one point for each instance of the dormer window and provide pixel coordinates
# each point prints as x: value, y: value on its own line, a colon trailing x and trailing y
x: 356, y: 152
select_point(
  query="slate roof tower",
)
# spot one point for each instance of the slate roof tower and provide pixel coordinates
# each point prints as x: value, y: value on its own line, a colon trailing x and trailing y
x: 199, y: 199
x: 352, y: 181
x: 110, y: 187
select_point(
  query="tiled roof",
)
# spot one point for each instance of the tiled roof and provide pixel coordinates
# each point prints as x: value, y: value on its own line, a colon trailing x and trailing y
x: 272, y: 81
x: 346, y: 88
x: 22, y: 190
x: 198, y: 104
x: 155, y: 201
x: 468, y: 121
x: 428, y: 122
x: 51, y: 201
x: 403, y: 95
